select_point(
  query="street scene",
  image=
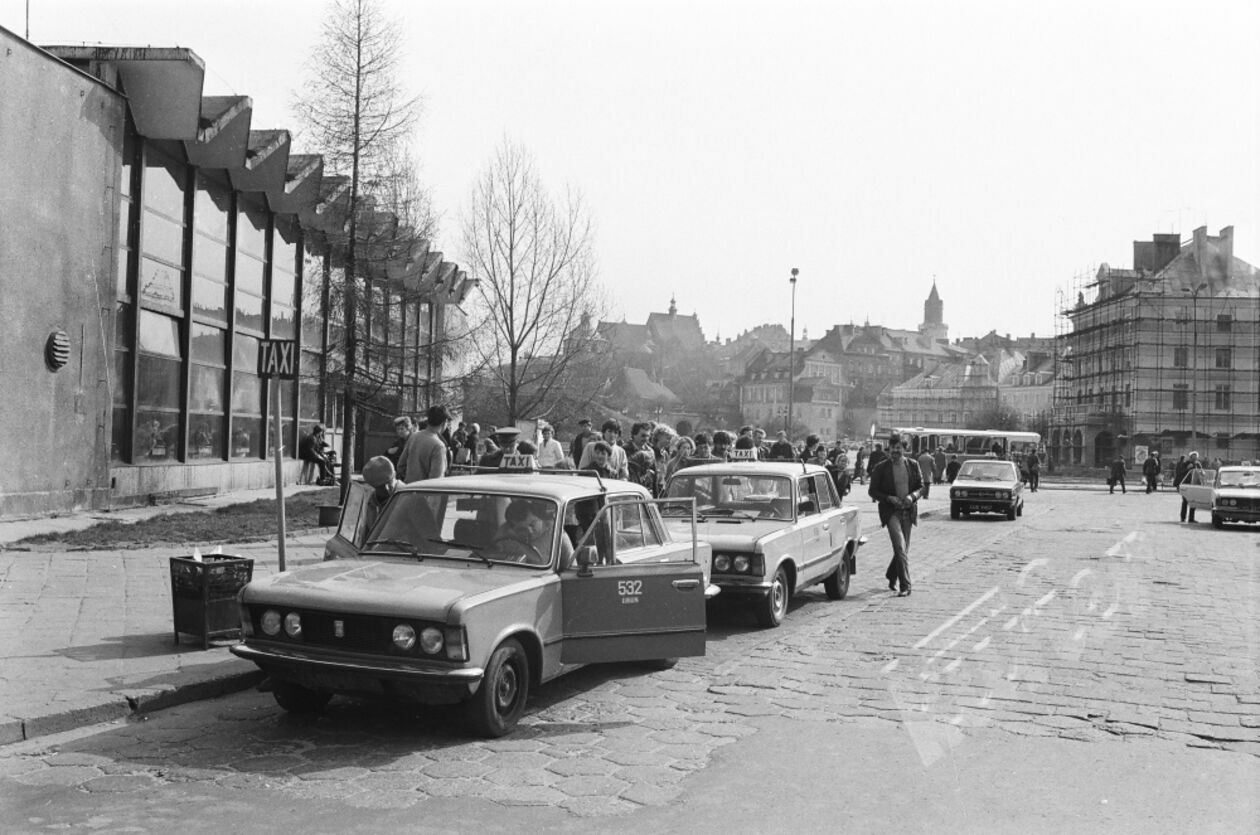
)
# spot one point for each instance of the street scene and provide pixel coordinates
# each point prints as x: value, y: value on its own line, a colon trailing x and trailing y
x: 1037, y: 660
x: 504, y: 415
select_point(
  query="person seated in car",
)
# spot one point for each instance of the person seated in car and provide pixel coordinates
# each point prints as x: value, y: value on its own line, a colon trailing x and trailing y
x: 530, y: 523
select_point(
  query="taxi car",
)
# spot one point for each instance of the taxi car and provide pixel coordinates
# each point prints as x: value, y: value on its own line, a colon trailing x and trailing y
x: 476, y: 589
x: 987, y: 485
x: 775, y: 528
x: 1232, y: 494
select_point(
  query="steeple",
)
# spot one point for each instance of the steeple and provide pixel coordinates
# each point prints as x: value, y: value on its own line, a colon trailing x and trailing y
x: 673, y: 306
x: 934, y: 326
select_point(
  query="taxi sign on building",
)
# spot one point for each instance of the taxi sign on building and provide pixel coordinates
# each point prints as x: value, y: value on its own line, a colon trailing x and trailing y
x: 277, y: 358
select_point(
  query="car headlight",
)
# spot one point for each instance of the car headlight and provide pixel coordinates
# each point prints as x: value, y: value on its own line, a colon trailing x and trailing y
x: 958, y: 494
x: 1229, y: 502
x: 741, y: 564
x: 1003, y: 494
x: 271, y: 623
x: 722, y: 562
x: 404, y: 636
x: 431, y: 640
x: 293, y: 625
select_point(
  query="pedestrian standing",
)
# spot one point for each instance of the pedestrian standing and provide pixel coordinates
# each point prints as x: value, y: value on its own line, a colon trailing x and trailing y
x: 1150, y: 472
x: 896, y: 484
x: 402, y: 431
x: 1118, y: 468
x: 424, y: 456
x: 550, y: 452
x: 1185, y: 473
x: 1034, y: 471
x: 927, y: 465
x: 859, y: 465
x: 877, y: 455
x: 938, y: 466
x: 583, y: 437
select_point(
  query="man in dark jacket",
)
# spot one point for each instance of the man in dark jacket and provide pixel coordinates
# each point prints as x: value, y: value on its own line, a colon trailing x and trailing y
x: 1118, y: 468
x: 1150, y: 471
x: 897, y: 483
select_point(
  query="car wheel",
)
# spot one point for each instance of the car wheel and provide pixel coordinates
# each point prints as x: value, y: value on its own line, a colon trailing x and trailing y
x: 837, y: 585
x: 498, y: 704
x: 1217, y: 521
x: 1019, y: 511
x: 954, y: 512
x: 1010, y: 513
x: 772, y: 609
x: 298, y: 699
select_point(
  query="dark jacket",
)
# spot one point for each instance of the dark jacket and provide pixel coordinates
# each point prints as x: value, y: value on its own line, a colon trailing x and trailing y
x: 1151, y: 465
x: 883, y: 488
x: 877, y: 455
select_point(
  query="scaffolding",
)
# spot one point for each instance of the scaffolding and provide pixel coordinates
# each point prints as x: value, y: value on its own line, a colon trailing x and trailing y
x: 1144, y: 364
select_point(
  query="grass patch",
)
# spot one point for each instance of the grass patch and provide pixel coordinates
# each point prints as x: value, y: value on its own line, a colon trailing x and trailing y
x: 245, y: 522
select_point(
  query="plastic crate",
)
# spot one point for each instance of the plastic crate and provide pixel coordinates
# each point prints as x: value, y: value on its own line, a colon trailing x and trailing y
x: 203, y: 595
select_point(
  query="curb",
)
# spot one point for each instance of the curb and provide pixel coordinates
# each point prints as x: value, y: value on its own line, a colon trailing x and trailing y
x: 125, y: 704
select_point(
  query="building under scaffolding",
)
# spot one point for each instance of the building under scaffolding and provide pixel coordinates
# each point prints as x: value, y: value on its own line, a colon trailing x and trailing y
x: 1164, y: 356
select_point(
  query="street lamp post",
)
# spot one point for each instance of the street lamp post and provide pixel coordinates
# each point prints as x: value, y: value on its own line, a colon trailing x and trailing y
x: 792, y: 356
x: 1194, y: 361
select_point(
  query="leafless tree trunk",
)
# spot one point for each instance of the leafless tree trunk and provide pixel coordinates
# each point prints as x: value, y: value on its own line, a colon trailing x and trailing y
x: 358, y: 117
x: 532, y: 258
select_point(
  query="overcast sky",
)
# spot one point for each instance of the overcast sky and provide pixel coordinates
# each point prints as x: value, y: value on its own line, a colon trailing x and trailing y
x: 1001, y: 148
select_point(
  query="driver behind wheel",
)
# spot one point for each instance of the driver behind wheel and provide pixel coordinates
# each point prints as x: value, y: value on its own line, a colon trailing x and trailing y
x: 528, y: 532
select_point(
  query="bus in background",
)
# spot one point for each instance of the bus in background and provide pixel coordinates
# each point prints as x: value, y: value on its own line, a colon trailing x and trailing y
x: 967, y: 443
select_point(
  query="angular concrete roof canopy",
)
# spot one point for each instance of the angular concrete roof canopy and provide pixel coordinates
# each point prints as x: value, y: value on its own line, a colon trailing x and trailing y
x: 163, y: 87
x: 222, y: 133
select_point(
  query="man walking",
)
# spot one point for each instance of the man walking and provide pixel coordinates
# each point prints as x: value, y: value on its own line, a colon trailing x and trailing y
x: 896, y: 484
x: 1150, y: 471
x: 927, y: 466
x: 1118, y: 468
x: 424, y: 456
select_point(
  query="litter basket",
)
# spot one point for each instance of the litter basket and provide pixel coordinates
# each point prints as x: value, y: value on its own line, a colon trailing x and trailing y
x: 203, y: 595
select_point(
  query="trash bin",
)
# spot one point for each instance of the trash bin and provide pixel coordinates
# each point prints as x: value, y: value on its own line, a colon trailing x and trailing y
x: 203, y: 595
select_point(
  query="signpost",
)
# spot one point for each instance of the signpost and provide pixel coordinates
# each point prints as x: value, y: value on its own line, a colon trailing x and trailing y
x: 277, y: 360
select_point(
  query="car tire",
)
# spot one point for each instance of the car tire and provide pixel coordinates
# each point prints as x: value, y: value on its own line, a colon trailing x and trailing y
x: 1019, y: 511
x: 954, y: 512
x: 1217, y: 521
x: 499, y: 702
x: 659, y: 664
x: 300, y: 700
x: 772, y: 609
x: 837, y: 583
x: 1010, y: 513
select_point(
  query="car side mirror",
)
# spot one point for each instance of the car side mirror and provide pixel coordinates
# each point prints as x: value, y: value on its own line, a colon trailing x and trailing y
x: 586, y: 557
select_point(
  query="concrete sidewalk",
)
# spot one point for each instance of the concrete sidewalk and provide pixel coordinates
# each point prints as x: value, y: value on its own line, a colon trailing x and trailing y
x: 88, y: 636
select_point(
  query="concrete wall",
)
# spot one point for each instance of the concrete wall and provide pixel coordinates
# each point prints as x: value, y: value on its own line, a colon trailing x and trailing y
x: 60, y: 145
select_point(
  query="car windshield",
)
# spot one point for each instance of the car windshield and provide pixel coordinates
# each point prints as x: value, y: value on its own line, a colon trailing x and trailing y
x: 732, y: 494
x: 487, y: 527
x: 1240, y: 478
x: 988, y: 471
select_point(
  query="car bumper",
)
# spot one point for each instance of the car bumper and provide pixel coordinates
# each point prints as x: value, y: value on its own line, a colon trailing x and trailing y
x: 343, y: 673
x: 1236, y: 514
x: 983, y: 505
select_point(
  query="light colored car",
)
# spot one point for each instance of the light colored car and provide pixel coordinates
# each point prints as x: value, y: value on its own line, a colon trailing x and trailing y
x: 775, y: 528
x: 476, y: 589
x: 1232, y: 494
x: 987, y: 485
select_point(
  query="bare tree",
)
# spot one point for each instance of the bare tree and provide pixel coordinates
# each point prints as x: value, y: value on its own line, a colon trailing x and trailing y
x: 532, y: 258
x: 358, y: 117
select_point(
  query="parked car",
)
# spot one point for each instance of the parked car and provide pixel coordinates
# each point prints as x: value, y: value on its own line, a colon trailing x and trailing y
x: 1236, y: 495
x: 987, y: 485
x: 1196, y: 488
x: 775, y: 528
x: 476, y: 589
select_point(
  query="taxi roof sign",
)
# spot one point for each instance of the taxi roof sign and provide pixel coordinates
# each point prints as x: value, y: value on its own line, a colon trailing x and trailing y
x: 743, y: 455
x: 518, y: 462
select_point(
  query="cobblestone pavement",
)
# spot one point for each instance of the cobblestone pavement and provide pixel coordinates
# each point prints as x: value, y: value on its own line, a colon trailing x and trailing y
x: 1094, y: 618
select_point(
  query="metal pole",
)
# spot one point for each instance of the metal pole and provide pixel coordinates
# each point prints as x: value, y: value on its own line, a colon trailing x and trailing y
x: 792, y: 357
x: 279, y: 449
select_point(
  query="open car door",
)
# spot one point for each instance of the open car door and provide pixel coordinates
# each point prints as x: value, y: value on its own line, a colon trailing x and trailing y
x: 631, y: 593
x: 1196, y: 488
x: 353, y: 527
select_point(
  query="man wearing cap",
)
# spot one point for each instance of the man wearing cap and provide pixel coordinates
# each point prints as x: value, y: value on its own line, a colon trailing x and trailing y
x: 424, y: 454
x: 583, y: 437
x: 506, y: 439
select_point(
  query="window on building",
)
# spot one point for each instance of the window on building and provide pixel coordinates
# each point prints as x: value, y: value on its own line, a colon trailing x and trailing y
x: 1224, y: 323
x: 1181, y: 397
x: 158, y: 367
x: 124, y: 310
x: 212, y: 215
x: 1128, y: 396
x: 1224, y: 358
x: 1222, y: 398
x: 1181, y: 356
x: 247, y: 399
x: 207, y: 417
x: 251, y: 255
x: 161, y: 269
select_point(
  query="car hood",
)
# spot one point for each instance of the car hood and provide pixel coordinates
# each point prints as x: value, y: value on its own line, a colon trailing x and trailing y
x: 983, y: 485
x: 1236, y: 493
x: 727, y: 534
x: 421, y: 589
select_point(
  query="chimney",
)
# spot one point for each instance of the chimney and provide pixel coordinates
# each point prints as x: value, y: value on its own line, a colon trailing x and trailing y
x: 1200, y: 251
x: 1226, y: 249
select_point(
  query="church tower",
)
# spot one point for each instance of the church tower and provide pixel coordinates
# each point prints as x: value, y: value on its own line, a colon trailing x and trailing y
x: 934, y: 326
